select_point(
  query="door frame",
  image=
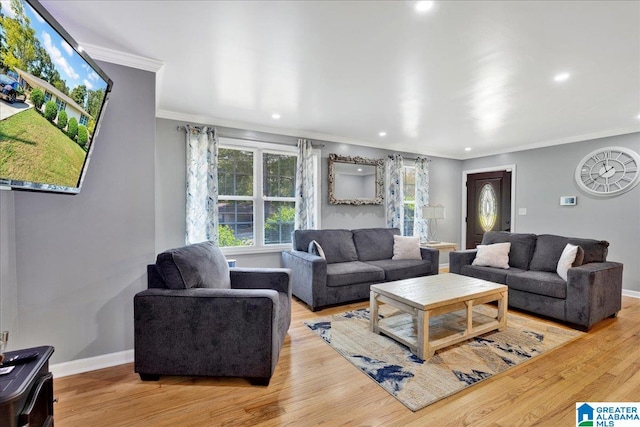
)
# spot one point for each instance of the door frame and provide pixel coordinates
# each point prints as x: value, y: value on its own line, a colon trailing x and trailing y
x: 463, y: 226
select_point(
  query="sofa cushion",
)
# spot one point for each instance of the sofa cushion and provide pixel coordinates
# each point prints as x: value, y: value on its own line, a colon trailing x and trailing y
x: 495, y: 255
x: 350, y: 273
x: 550, y: 247
x: 338, y: 245
x: 538, y: 282
x: 402, y: 268
x: 406, y: 247
x: 593, y: 250
x: 374, y: 243
x: 492, y: 274
x: 201, y: 265
x: 522, y: 246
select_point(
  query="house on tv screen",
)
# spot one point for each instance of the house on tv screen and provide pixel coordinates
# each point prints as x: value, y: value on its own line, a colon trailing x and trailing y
x: 64, y: 102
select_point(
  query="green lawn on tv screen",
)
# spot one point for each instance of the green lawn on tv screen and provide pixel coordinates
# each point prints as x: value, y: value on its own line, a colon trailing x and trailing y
x: 32, y: 149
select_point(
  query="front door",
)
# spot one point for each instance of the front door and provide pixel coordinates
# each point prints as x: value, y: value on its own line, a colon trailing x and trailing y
x: 488, y: 204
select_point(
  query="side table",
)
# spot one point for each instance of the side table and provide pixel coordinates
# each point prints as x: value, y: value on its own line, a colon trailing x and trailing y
x: 26, y: 393
x: 443, y: 247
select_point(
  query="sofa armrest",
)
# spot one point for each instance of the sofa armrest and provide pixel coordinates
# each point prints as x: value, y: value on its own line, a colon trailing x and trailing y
x: 278, y: 279
x: 206, y: 332
x: 459, y: 258
x: 309, y: 274
x: 594, y: 292
x: 432, y: 255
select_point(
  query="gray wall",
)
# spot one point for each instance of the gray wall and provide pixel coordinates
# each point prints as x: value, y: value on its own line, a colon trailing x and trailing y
x: 80, y: 259
x: 445, y: 183
x: 8, y: 282
x: 545, y: 174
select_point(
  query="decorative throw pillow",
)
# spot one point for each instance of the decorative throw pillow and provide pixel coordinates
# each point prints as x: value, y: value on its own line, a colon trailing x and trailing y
x: 495, y: 255
x: 316, y: 249
x: 406, y: 247
x: 566, y: 260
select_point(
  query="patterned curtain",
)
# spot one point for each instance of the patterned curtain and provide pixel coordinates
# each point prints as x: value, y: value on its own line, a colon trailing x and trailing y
x: 420, y: 226
x: 305, y: 218
x: 394, y: 192
x: 202, y: 185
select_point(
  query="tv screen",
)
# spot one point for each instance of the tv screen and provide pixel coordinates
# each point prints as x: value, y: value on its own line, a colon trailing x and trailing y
x: 52, y: 99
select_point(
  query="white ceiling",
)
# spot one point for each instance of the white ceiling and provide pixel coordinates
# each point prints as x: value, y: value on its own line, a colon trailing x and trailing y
x: 473, y: 74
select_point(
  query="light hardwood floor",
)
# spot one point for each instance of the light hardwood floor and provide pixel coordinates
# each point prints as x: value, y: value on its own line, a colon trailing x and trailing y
x: 313, y: 385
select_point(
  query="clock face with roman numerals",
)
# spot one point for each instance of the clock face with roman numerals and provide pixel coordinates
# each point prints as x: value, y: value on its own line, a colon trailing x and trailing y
x: 608, y: 171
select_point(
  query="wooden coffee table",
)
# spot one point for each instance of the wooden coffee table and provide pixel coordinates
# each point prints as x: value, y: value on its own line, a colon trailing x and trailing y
x: 430, y: 296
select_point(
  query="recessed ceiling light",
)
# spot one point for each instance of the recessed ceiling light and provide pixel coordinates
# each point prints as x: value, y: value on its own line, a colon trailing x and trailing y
x: 467, y: 149
x: 424, y: 6
x: 562, y: 77
x: 383, y: 133
x: 275, y: 116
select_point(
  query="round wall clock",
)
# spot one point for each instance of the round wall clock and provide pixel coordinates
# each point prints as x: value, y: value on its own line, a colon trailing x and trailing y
x: 608, y: 171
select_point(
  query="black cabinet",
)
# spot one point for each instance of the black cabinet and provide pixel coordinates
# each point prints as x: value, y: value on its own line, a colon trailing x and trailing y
x: 26, y: 393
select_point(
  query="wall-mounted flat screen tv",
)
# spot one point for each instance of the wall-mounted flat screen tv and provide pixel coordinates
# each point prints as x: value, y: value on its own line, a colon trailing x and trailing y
x: 52, y: 99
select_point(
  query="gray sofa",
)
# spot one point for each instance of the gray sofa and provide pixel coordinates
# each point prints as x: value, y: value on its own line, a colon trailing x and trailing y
x: 355, y: 259
x: 199, y: 317
x: 592, y: 291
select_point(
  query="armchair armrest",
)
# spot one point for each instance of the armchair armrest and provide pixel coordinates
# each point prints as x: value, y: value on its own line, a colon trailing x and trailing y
x: 278, y: 279
x: 459, y: 258
x: 432, y: 255
x: 594, y: 291
x: 206, y: 332
x: 309, y: 275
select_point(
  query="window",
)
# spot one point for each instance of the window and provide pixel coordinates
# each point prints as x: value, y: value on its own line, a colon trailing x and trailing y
x: 487, y: 207
x: 61, y: 104
x: 84, y: 119
x: 248, y: 217
x: 409, y: 188
x: 47, y: 96
x: 235, y: 197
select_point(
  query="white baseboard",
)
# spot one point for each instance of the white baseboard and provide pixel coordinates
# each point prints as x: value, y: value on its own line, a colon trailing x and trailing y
x: 113, y: 359
x: 91, y: 363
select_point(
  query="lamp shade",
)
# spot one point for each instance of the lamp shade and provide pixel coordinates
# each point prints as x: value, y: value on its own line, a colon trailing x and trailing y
x: 433, y: 212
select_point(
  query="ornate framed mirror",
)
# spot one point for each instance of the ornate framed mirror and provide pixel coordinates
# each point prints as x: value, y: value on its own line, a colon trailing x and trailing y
x: 355, y: 180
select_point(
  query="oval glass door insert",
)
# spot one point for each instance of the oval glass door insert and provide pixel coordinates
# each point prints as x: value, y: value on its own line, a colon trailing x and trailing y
x: 487, y: 207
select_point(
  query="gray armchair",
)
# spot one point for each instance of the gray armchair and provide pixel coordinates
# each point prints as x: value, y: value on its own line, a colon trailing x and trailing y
x: 201, y: 318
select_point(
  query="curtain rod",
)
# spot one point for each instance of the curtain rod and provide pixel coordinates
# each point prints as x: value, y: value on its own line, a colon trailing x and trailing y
x: 244, y: 138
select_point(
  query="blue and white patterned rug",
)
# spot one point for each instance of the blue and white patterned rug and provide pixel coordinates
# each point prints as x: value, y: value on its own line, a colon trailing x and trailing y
x: 418, y: 383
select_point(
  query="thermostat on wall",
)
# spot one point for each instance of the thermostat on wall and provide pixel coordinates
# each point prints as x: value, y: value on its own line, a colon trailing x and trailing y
x: 568, y: 200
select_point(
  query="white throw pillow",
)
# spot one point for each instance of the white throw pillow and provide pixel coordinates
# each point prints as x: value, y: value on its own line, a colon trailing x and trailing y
x: 496, y: 255
x: 315, y: 249
x: 566, y: 260
x: 406, y: 247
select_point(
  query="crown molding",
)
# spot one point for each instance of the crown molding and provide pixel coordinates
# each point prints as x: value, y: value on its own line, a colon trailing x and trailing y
x: 206, y: 120
x: 552, y: 142
x: 120, y: 58
x: 316, y: 136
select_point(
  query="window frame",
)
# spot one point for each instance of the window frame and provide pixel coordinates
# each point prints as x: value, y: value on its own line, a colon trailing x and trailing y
x: 61, y: 104
x: 258, y: 199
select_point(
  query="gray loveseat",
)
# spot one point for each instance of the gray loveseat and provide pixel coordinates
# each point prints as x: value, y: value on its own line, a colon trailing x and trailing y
x: 592, y: 291
x: 355, y: 259
x: 199, y: 317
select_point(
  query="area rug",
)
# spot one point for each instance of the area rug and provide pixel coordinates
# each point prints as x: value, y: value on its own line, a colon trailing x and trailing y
x: 418, y: 383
